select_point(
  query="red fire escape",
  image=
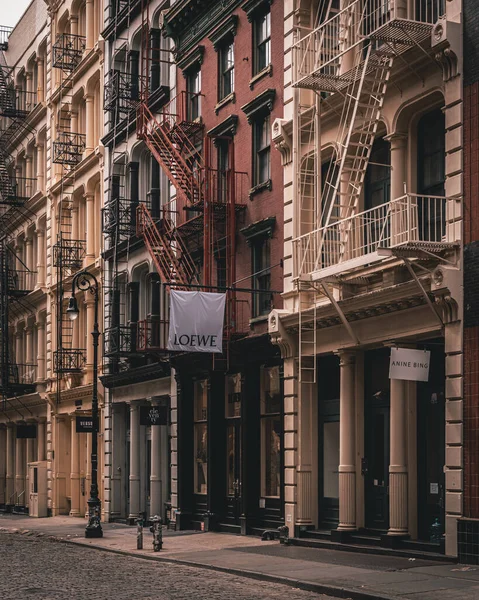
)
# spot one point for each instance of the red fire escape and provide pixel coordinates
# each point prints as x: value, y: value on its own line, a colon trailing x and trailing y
x: 207, y: 200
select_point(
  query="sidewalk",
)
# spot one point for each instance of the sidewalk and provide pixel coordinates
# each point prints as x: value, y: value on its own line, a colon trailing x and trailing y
x: 337, y: 573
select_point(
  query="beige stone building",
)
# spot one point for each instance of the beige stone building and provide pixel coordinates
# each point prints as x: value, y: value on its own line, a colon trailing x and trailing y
x: 372, y: 147
x: 58, y: 234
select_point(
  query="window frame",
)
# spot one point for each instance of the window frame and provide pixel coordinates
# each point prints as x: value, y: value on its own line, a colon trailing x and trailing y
x: 261, y: 268
x: 200, y: 427
x: 268, y: 417
x: 193, y: 81
x: 225, y: 71
x: 262, y: 16
x: 262, y: 132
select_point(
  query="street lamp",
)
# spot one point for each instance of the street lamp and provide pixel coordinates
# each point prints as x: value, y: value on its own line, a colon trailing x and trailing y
x: 85, y: 281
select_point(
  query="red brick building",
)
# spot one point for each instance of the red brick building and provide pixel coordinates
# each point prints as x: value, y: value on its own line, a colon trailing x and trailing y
x: 227, y: 435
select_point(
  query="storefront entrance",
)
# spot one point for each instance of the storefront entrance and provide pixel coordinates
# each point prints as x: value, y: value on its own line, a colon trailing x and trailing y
x: 431, y: 445
x: 328, y: 393
x: 375, y: 464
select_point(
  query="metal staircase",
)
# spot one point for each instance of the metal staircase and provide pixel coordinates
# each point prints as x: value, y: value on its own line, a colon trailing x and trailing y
x: 169, y: 253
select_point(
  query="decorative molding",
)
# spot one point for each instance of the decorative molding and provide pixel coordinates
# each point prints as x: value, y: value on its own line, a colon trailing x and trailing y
x: 226, y: 128
x: 259, y: 229
x: 282, y: 139
x: 266, y: 71
x: 191, y: 60
x: 252, y: 7
x: 448, y: 61
x: 260, y: 106
x: 257, y: 189
x: 225, y: 32
x: 230, y: 98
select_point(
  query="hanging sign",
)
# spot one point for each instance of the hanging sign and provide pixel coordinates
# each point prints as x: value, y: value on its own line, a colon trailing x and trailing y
x: 410, y: 365
x: 154, y: 415
x: 84, y: 424
x: 196, y: 321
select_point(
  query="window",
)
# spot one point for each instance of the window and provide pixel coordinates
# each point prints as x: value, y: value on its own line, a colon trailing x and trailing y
x: 262, y: 41
x: 223, y: 160
x: 233, y: 395
x: 262, y: 150
x: 201, y: 435
x: 261, y: 277
x: 271, y: 431
x: 226, y: 70
x: 193, y: 88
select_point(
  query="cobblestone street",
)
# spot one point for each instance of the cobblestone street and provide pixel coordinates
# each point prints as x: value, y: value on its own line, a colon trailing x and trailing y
x: 37, y: 567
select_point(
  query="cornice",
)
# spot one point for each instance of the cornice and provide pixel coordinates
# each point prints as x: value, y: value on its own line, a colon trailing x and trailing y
x: 138, y: 375
x: 252, y: 7
x: 226, y: 128
x: 260, y: 106
x: 192, y: 60
x: 226, y: 30
x: 259, y: 229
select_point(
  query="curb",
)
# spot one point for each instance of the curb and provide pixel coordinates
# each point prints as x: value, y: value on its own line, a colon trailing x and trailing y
x: 330, y: 590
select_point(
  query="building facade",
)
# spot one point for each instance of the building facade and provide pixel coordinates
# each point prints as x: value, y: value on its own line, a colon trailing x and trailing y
x: 137, y: 371
x: 23, y: 224
x: 372, y: 144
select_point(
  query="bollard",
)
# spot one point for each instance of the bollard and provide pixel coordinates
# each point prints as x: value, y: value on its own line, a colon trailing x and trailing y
x: 139, y: 534
x: 156, y: 530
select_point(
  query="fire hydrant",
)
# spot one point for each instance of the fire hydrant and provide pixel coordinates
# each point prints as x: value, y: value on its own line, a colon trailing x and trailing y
x: 156, y: 530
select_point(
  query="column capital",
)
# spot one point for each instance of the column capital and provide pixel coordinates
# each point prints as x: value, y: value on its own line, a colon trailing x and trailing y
x: 346, y: 357
x: 88, y: 97
x: 397, y: 139
x: 39, y: 60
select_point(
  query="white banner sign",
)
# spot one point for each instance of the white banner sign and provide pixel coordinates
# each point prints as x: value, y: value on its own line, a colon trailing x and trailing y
x: 411, y: 365
x: 196, y: 321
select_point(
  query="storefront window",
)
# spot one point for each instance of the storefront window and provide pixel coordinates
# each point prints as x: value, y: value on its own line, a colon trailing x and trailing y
x: 271, y: 431
x: 201, y: 435
x: 233, y: 396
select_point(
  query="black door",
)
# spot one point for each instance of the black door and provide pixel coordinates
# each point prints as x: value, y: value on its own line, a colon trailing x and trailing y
x: 328, y: 396
x: 376, y: 440
x: 431, y: 447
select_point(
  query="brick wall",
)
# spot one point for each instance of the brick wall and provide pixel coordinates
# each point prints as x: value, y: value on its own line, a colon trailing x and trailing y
x: 471, y: 259
x: 266, y: 203
x: 21, y: 42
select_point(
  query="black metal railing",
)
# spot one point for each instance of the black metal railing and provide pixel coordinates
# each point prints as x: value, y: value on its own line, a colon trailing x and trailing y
x: 121, y: 92
x: 69, y: 254
x: 119, y: 217
x: 69, y: 360
x: 4, y: 35
x: 120, y: 340
x: 68, y: 148
x: 67, y: 51
x: 153, y: 335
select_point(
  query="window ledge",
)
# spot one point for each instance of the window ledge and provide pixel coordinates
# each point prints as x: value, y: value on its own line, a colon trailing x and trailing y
x: 224, y: 101
x: 260, y: 319
x: 266, y: 71
x: 257, y: 189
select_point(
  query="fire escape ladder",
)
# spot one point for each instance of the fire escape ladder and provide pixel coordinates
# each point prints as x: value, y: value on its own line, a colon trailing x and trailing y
x: 169, y: 253
x: 167, y: 142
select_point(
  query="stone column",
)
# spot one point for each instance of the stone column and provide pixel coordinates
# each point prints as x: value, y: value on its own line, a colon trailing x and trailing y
x: 40, y: 351
x: 90, y: 219
x: 40, y: 167
x: 74, y: 24
x: 10, y: 466
x: 90, y: 24
x: 40, y: 258
x: 20, y: 471
x: 156, y: 483
x: 29, y: 261
x: 90, y: 319
x: 398, y: 475
x: 134, y: 478
x: 75, y: 471
x: 29, y: 182
x: 29, y: 349
x: 400, y: 9
x: 347, y: 442
x: 19, y: 359
x: 30, y: 443
x: 40, y: 79
x: 400, y: 223
x: 75, y: 223
x: 90, y: 123
x: 41, y: 446
x: 29, y: 88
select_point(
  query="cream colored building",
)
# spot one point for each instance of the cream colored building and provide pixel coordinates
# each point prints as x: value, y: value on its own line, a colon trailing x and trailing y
x: 371, y: 143
x: 64, y: 63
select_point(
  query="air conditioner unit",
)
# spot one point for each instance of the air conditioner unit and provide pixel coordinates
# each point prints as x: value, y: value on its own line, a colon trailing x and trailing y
x: 446, y: 33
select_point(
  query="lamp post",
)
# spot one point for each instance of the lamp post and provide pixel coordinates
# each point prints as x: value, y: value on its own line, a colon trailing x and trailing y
x: 85, y: 281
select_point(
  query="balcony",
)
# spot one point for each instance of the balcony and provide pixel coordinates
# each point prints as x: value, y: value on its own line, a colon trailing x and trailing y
x: 119, y: 218
x: 395, y: 25
x: 69, y: 254
x: 17, y: 379
x: 15, y: 191
x: 121, y: 92
x: 68, y: 148
x: 20, y: 282
x: 153, y: 335
x: 413, y: 222
x: 16, y: 103
x: 68, y: 51
x: 69, y: 360
x: 119, y: 341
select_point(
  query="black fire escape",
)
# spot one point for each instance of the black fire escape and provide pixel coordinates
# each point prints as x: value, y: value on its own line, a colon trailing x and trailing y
x: 16, y: 280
